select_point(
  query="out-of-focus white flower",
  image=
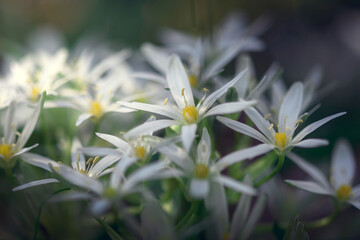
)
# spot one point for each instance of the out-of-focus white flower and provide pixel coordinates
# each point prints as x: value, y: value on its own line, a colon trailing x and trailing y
x: 12, y: 143
x: 283, y: 137
x: 202, y: 171
x: 38, y: 72
x: 342, y: 175
x: 186, y: 113
x: 8, y: 93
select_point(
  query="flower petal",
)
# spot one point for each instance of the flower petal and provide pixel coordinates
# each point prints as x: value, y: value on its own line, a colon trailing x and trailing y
x: 231, y: 107
x: 151, y: 126
x: 312, y: 127
x: 310, y: 186
x: 311, y: 143
x: 116, y: 141
x: 211, y: 99
x: 241, y: 155
x: 102, y: 164
x: 235, y: 185
x: 342, y: 164
x: 204, y: 148
x: 291, y: 106
x: 260, y: 122
x: 310, y: 169
x: 243, y: 128
x: 157, y: 57
x: 199, y: 188
x: 178, y: 82
x: 188, y: 135
x: 35, y: 183
x: 83, y: 117
x: 39, y: 161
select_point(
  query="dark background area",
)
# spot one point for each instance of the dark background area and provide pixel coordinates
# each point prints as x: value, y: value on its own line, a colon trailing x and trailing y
x: 302, y: 34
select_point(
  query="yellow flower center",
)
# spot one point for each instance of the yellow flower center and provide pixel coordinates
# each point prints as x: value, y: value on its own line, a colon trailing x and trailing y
x: 140, y: 152
x: 35, y: 93
x: 190, y: 114
x: 343, y: 192
x: 96, y: 109
x: 5, y: 151
x: 193, y: 81
x: 280, y: 140
x: 201, y: 171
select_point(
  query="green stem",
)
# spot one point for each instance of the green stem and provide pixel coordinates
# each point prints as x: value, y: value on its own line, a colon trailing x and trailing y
x: 49, y: 146
x: 187, y: 217
x: 322, y: 222
x: 112, y: 233
x: 273, y: 173
x: 41, y: 207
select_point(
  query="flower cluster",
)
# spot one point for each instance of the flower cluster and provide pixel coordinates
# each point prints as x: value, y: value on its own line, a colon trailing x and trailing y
x: 99, y: 141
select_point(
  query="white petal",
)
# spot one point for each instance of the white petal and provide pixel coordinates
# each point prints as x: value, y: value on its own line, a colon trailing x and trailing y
x: 119, y: 171
x: 355, y: 203
x: 36, y: 183
x: 312, y: 127
x: 157, y: 57
x: 241, y: 155
x: 70, y: 196
x: 102, y: 164
x: 342, y: 164
x: 151, y: 76
x: 188, y: 135
x: 9, y: 131
x: 31, y: 123
x: 211, y: 99
x: 231, y: 107
x: 356, y: 191
x: 177, y: 81
x: 235, y: 185
x: 260, y: 123
x: 100, y: 207
x: 38, y: 161
x: 291, y: 106
x: 97, y: 151
x: 158, y: 109
x: 116, y: 141
x: 310, y: 186
x: 312, y: 143
x: 199, y: 188
x: 152, y: 126
x: 310, y: 169
x: 176, y: 155
x: 243, y: 128
x: 83, y: 117
x: 24, y: 150
x: 204, y: 148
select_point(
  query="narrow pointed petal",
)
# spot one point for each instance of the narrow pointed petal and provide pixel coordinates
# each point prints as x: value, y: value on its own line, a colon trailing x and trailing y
x: 243, y: 128
x: 241, y: 155
x: 24, y: 150
x: 231, y: 107
x: 291, y: 106
x: 158, y: 109
x: 157, y: 57
x: 176, y: 155
x: 355, y: 203
x: 102, y: 164
x: 119, y: 172
x: 235, y: 185
x: 342, y: 164
x: 204, y: 148
x: 211, y: 99
x: 116, y: 141
x: 310, y: 169
x: 356, y: 191
x: 312, y: 127
x: 312, y: 143
x: 151, y: 126
x: 39, y: 161
x: 31, y: 123
x: 188, y: 135
x: 310, y: 187
x: 35, y: 183
x: 70, y: 196
x: 178, y: 82
x: 199, y: 188
x: 260, y: 122
x: 150, y: 76
x: 83, y: 117
x: 8, y: 121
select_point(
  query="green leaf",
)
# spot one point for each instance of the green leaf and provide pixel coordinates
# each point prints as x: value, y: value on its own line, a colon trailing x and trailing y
x: 296, y: 230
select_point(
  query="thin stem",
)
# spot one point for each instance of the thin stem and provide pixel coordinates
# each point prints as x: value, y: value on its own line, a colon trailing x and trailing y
x: 273, y: 173
x: 187, y: 217
x: 322, y: 222
x: 41, y: 207
x: 112, y: 233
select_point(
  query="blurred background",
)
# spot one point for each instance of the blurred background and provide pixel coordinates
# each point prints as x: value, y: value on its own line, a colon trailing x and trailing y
x: 301, y: 35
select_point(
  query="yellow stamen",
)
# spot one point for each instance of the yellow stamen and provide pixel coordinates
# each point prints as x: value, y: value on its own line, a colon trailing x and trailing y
x: 344, y: 191
x: 193, y: 81
x: 35, y: 93
x: 201, y: 171
x: 82, y: 171
x: 140, y: 152
x: 271, y: 126
x: 96, y: 109
x: 267, y: 116
x: 5, y: 151
x: 182, y: 92
x: 205, y: 90
x: 280, y: 140
x: 190, y: 114
x: 166, y: 101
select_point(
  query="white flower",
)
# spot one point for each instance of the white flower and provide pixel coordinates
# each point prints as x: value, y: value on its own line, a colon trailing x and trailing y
x: 11, y: 146
x: 342, y: 173
x: 283, y: 137
x: 202, y: 172
x: 185, y: 112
